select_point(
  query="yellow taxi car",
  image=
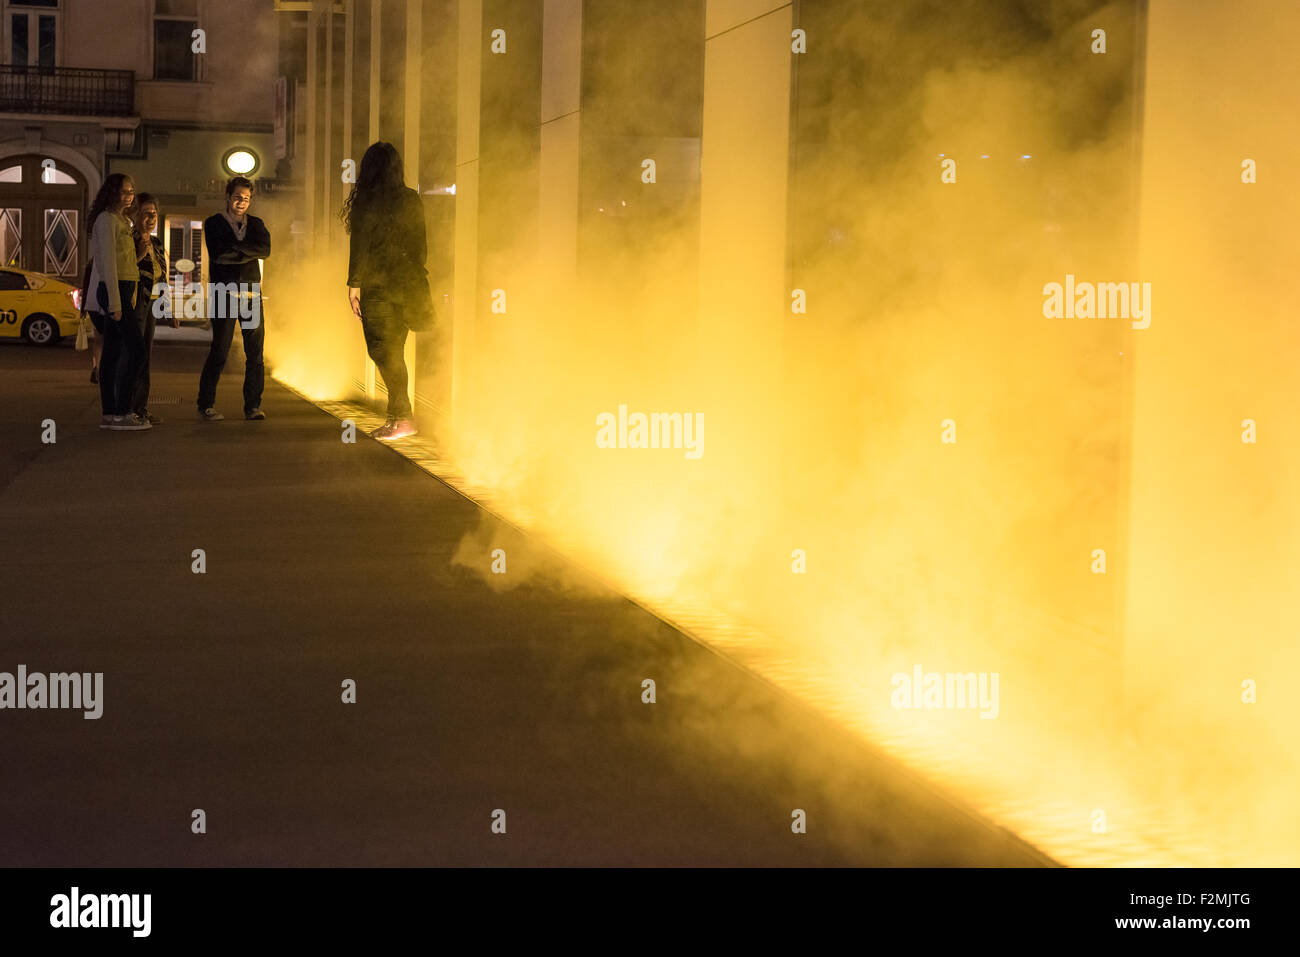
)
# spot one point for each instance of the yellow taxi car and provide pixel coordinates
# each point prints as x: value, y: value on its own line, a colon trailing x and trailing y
x: 39, y: 308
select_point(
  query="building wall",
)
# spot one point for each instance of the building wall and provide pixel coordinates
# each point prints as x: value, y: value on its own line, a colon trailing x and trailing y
x: 107, y: 35
x: 240, y: 61
x: 174, y: 143
x: 185, y: 162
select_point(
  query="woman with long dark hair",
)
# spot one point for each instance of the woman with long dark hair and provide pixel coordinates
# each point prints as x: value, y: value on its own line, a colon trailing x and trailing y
x: 388, y: 285
x: 113, y: 282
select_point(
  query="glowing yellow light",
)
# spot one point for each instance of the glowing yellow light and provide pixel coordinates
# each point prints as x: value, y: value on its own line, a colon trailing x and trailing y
x: 240, y: 162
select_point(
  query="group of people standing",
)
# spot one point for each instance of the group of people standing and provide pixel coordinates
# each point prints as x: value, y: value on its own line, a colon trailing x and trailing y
x: 126, y: 276
x: 126, y: 261
x: 388, y: 289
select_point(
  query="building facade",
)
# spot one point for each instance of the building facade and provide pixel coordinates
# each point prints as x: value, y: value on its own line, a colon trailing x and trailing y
x: 166, y: 91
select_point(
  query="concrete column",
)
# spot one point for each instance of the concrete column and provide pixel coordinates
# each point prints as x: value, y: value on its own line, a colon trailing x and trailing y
x: 412, y: 101
x: 411, y: 136
x: 468, y: 86
x: 311, y: 156
x: 349, y: 70
x: 327, y: 138
x: 376, y: 80
x: 561, y: 101
x: 1215, y: 521
x: 372, y: 134
x: 744, y: 173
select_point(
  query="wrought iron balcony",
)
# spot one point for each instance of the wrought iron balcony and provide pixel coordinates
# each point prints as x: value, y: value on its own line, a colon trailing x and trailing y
x: 31, y: 89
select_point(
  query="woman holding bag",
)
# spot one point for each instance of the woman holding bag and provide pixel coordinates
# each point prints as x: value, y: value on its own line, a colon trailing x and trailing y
x: 388, y: 285
x: 87, y: 336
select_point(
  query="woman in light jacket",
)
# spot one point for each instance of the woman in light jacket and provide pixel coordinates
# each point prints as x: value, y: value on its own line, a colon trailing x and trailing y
x: 113, y: 302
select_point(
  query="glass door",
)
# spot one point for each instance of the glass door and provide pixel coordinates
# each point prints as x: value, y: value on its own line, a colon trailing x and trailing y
x: 61, y: 237
x: 183, y: 239
x: 11, y: 236
x: 41, y: 213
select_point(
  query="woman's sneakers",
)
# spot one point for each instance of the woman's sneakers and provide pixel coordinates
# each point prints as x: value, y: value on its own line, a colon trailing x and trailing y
x: 125, y: 423
x: 394, y: 428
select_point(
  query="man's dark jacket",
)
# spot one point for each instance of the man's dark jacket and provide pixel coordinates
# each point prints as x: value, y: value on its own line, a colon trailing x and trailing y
x: 229, y: 259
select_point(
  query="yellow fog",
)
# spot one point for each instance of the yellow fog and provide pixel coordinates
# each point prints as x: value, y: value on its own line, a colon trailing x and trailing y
x: 922, y: 469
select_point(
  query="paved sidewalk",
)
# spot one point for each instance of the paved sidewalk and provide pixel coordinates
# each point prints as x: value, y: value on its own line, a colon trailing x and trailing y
x: 326, y: 562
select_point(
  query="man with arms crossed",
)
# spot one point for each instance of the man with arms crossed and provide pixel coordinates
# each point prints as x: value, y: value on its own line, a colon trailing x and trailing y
x: 235, y: 242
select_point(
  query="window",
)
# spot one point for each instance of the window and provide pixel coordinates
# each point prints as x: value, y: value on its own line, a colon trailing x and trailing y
x: 45, y: 42
x: 10, y: 281
x: 55, y: 176
x: 172, y: 59
x: 61, y: 241
x: 11, y: 237
x: 13, y: 174
x: 18, y: 39
x: 33, y: 34
x: 174, y: 24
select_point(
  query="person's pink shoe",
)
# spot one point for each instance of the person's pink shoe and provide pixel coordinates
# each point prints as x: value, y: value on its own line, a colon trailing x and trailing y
x: 394, y: 429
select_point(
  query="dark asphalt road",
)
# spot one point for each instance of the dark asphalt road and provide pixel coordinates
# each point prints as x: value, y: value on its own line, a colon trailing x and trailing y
x: 328, y: 561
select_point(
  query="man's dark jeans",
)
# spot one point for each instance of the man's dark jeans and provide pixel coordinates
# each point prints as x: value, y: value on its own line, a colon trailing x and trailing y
x: 223, y: 333
x: 119, y: 366
x: 385, y: 332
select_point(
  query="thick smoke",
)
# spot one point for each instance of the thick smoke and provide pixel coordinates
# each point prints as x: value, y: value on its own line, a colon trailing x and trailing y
x: 825, y: 432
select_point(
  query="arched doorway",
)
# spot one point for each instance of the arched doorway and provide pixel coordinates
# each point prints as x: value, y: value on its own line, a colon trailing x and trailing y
x: 42, y: 206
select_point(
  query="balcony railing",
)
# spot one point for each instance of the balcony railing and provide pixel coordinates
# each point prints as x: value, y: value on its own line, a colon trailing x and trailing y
x: 32, y: 89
